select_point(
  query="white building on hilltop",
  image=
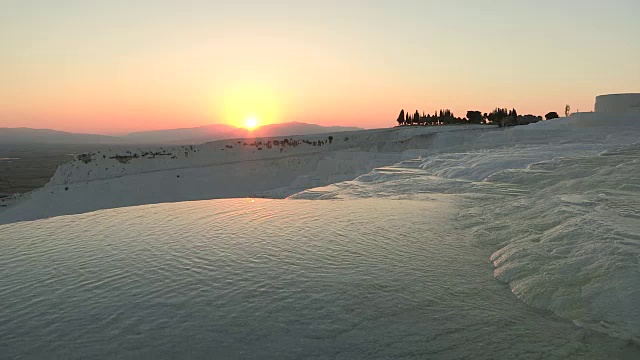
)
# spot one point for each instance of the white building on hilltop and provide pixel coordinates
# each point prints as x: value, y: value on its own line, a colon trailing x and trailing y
x: 617, y: 103
x: 621, y: 109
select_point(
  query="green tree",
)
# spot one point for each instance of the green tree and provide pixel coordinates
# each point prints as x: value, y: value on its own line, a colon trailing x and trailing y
x: 401, y: 118
x: 474, y: 117
x: 497, y: 116
x: 551, y: 115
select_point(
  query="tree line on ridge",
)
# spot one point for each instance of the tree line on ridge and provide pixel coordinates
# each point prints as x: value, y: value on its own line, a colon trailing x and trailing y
x: 499, y: 116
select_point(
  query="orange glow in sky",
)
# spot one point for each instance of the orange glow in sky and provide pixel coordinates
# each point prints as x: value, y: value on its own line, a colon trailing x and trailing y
x: 121, y: 66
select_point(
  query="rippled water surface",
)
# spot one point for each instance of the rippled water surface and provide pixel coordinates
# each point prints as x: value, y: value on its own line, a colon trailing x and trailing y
x: 368, y: 278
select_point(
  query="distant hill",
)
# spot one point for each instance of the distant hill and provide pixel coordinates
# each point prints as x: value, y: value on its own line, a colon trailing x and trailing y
x: 196, y: 135
x: 296, y: 128
x: 202, y: 134
x: 47, y: 136
x: 185, y: 135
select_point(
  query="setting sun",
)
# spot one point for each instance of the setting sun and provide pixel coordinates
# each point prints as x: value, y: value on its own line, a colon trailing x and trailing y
x: 251, y: 123
x: 248, y: 106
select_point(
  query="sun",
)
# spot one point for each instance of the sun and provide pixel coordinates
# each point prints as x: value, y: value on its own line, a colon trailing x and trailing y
x: 251, y: 123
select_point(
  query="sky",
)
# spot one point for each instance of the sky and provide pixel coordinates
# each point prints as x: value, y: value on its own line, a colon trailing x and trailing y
x: 116, y: 66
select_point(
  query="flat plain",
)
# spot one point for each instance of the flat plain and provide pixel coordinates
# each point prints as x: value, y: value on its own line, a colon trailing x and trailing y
x: 26, y: 167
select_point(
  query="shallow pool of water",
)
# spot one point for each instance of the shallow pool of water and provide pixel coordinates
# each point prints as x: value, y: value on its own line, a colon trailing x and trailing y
x: 369, y: 278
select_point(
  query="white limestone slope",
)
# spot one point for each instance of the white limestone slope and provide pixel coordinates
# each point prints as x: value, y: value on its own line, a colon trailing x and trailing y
x: 274, y: 167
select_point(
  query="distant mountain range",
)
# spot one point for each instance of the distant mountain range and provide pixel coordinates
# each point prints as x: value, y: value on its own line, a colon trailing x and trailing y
x: 196, y: 135
x: 47, y: 136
